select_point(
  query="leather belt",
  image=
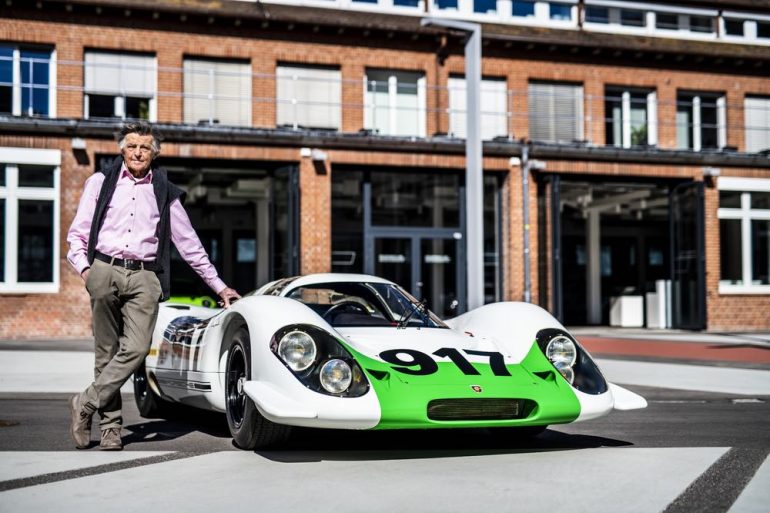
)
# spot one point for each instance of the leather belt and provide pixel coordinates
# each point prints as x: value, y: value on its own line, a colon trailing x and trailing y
x: 131, y: 265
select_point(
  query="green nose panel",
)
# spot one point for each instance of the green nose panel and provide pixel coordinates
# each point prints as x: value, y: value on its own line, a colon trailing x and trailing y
x: 546, y: 398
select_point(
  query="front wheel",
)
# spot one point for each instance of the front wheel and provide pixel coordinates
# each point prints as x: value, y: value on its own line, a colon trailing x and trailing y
x: 249, y: 429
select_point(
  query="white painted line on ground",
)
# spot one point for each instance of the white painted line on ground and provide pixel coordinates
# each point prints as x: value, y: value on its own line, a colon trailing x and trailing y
x: 756, y: 496
x: 18, y: 465
x: 47, y: 372
x: 591, y: 480
x: 687, y: 377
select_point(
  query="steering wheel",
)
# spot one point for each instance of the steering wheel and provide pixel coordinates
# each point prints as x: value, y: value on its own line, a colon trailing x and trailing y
x: 344, y: 304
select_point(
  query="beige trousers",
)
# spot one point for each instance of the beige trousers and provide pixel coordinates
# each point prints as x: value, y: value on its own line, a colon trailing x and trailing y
x: 124, y: 308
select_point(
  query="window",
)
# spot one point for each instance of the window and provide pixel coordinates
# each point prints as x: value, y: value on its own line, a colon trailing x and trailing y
x: 25, y: 78
x: 763, y: 29
x: 394, y: 102
x: 700, y: 121
x: 630, y: 117
x: 597, y: 14
x: 446, y: 4
x: 733, y: 27
x: 703, y: 24
x: 523, y: 8
x: 217, y: 92
x: 29, y: 220
x: 632, y: 18
x: 119, y: 85
x: 744, y: 235
x: 757, y: 119
x: 406, y: 3
x: 494, y: 111
x: 666, y: 21
x: 308, y: 96
x: 558, y: 11
x: 555, y: 111
x: 484, y: 6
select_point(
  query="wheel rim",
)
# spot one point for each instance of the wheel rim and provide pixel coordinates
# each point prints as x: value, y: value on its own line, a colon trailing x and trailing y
x: 236, y: 375
x: 140, y: 383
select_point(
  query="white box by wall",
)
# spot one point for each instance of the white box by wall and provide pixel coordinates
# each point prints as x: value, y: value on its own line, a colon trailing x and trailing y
x: 627, y: 311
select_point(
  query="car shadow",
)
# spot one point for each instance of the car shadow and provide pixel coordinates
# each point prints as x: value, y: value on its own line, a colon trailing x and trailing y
x: 306, y: 445
x: 180, y: 423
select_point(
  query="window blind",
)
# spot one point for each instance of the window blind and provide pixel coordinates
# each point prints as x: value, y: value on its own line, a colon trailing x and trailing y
x: 217, y: 91
x: 555, y: 111
x: 309, y: 97
x: 120, y: 74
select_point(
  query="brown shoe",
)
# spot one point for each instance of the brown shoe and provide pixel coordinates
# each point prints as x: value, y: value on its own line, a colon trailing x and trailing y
x: 80, y: 423
x: 111, y: 440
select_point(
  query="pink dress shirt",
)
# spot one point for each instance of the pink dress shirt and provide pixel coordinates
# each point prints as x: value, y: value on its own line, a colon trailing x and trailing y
x: 130, y: 224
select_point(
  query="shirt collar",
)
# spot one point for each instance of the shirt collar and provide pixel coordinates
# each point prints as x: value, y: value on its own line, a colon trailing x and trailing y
x: 125, y: 173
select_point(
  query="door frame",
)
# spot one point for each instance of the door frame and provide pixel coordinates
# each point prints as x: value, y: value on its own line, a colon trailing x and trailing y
x: 416, y: 235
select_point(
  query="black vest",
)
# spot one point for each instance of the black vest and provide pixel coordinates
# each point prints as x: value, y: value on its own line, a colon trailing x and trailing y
x: 165, y: 193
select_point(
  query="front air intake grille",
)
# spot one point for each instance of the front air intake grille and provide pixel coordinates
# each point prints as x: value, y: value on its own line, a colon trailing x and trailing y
x: 479, y: 409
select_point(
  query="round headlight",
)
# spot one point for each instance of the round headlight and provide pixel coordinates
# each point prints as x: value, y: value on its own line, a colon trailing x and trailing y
x: 297, y: 349
x: 561, y: 350
x: 336, y: 376
x: 566, y: 371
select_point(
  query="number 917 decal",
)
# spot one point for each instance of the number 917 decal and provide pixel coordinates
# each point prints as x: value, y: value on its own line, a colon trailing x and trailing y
x: 418, y: 363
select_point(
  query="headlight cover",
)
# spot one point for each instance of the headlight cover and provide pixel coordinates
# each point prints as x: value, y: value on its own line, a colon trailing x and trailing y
x: 335, y: 376
x: 298, y: 350
x: 331, y: 370
x: 572, y: 361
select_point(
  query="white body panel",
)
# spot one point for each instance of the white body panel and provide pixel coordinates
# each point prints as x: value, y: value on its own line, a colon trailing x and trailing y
x: 190, y: 368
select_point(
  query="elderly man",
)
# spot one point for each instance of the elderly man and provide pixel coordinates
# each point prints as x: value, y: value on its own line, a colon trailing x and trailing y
x: 120, y: 244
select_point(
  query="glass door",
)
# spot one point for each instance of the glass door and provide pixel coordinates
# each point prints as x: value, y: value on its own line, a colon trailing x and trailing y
x: 427, y: 266
x: 438, y: 276
x: 393, y: 260
x: 688, y: 284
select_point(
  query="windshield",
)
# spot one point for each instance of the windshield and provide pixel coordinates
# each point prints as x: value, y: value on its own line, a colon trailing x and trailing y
x: 365, y: 304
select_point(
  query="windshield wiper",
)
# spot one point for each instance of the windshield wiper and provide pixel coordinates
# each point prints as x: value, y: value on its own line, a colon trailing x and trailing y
x: 420, y: 306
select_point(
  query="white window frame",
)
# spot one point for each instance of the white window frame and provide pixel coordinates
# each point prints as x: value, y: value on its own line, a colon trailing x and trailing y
x: 12, y: 193
x: 625, y: 117
x: 119, y: 105
x: 17, y: 85
x: 745, y: 215
x: 695, y: 129
x: 370, y: 107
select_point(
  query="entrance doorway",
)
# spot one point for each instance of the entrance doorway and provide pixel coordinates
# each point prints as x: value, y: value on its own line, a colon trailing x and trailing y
x: 408, y: 227
x: 426, y: 263
x: 245, y: 214
x: 613, y: 239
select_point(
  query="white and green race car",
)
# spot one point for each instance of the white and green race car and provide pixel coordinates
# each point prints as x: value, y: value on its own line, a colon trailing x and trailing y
x: 358, y: 352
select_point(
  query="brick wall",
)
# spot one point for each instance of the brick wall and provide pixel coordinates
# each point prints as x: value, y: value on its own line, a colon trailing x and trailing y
x: 66, y: 314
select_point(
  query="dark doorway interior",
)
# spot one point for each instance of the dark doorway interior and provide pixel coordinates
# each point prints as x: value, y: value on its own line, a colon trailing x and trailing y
x: 632, y: 249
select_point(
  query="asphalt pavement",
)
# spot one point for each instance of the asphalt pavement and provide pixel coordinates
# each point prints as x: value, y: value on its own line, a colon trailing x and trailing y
x: 702, y: 444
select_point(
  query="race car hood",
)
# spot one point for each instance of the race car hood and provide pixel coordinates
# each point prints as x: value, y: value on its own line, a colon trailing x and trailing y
x: 371, y: 341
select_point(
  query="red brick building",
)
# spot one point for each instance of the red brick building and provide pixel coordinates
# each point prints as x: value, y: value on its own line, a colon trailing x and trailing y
x: 328, y: 135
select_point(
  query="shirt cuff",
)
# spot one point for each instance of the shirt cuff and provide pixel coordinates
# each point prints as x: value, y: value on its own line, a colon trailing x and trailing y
x: 80, y: 265
x: 217, y: 285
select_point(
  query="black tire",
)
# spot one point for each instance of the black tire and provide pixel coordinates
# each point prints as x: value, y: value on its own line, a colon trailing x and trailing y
x: 150, y: 406
x: 249, y: 429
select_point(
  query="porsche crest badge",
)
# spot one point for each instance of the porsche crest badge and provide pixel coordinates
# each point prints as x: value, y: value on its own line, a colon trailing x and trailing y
x: 476, y: 388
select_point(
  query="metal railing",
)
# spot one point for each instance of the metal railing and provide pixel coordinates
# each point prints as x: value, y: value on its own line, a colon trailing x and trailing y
x: 408, y: 107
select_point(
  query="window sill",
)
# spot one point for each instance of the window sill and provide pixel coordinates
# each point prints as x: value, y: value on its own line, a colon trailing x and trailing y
x: 728, y: 290
x: 29, y: 288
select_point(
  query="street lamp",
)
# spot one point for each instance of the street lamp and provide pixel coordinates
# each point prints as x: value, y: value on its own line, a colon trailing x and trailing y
x: 474, y: 180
